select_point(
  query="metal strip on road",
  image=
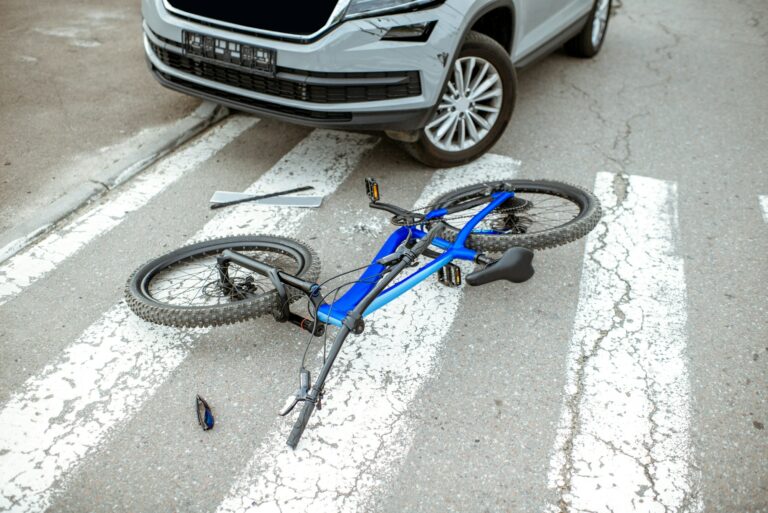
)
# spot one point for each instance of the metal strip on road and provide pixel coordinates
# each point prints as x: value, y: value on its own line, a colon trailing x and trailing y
x: 623, y: 444
x: 764, y: 206
x: 34, y: 262
x: 355, y: 442
x: 66, y: 411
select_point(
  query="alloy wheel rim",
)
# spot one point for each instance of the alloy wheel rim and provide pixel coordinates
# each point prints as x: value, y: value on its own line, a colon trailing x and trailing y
x: 469, y: 108
x: 600, y: 22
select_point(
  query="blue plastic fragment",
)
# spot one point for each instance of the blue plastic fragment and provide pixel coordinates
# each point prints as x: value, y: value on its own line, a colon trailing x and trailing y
x: 204, y: 414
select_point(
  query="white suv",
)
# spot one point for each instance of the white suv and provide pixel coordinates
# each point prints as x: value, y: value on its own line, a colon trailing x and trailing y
x: 438, y: 75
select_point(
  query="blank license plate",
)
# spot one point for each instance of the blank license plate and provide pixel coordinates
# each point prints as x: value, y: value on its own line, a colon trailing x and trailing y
x: 222, y: 50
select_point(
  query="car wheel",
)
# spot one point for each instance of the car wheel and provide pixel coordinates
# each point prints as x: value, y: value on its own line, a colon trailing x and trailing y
x: 589, y: 41
x: 474, y: 109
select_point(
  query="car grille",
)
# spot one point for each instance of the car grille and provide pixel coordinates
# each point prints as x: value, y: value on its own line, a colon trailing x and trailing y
x: 410, y: 85
x: 244, y: 101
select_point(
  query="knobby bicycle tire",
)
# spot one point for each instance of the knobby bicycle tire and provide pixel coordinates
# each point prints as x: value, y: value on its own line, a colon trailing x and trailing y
x: 140, y: 299
x: 573, y: 229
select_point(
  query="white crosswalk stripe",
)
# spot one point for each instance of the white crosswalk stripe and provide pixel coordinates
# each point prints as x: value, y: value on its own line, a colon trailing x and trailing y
x: 65, y: 412
x: 356, y: 441
x: 624, y: 443
x: 764, y: 206
x: 34, y: 262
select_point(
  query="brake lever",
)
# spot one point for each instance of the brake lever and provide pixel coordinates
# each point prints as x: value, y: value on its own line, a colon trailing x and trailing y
x: 289, y: 405
x: 299, y: 396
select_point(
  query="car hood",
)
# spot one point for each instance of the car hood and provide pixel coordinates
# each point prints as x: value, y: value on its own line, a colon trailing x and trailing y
x: 299, y: 17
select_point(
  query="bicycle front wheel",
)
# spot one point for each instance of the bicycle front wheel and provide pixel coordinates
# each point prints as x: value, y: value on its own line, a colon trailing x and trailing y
x: 186, y: 289
x: 543, y: 214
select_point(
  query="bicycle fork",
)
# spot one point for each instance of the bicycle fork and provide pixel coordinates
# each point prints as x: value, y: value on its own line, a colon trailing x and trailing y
x: 352, y: 323
x: 312, y: 397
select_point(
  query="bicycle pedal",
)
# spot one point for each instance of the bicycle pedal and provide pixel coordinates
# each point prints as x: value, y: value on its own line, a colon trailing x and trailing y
x: 449, y: 275
x: 372, y: 189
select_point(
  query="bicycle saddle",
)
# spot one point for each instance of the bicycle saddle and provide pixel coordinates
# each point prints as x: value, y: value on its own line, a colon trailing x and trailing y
x: 514, y: 265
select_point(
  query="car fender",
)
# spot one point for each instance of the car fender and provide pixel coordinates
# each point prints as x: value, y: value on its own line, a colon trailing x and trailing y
x: 466, y: 13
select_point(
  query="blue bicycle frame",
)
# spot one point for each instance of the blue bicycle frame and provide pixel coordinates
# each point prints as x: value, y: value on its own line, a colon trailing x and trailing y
x: 336, y: 313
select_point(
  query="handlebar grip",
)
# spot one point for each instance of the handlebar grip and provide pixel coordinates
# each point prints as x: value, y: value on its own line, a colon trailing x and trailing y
x: 301, y: 424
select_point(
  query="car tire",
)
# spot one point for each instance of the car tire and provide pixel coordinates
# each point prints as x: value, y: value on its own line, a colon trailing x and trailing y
x: 478, y: 49
x: 587, y: 43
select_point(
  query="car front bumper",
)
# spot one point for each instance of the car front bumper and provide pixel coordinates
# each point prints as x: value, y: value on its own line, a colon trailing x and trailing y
x: 348, y: 78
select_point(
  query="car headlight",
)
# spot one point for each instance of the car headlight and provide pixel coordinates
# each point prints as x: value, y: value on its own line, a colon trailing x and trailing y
x: 360, y: 8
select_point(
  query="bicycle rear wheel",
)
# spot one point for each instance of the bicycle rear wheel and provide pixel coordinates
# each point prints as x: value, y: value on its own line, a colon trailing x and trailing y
x: 543, y: 214
x: 184, y: 287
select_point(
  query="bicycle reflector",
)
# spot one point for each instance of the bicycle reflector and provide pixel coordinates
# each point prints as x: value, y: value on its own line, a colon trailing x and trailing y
x: 204, y: 414
x: 372, y: 188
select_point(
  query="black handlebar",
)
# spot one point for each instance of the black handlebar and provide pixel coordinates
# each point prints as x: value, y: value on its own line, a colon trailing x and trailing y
x: 267, y: 270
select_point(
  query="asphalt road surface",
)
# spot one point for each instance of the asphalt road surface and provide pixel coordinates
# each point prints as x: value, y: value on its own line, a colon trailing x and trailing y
x: 74, y: 95
x: 629, y: 375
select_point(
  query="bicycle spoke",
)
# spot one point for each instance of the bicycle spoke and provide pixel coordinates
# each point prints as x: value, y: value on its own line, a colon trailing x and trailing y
x: 533, y: 213
x: 196, y: 282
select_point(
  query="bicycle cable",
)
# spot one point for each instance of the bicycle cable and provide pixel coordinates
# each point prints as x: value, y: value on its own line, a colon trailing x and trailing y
x: 309, y: 311
x: 335, y: 291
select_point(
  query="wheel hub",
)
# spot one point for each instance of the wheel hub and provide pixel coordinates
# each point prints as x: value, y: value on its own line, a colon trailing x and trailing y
x: 236, y: 289
x: 517, y: 204
x: 512, y: 224
x: 462, y: 105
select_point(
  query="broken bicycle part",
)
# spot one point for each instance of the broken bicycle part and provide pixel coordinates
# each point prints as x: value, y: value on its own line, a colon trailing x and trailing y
x: 261, y: 196
x: 204, y: 414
